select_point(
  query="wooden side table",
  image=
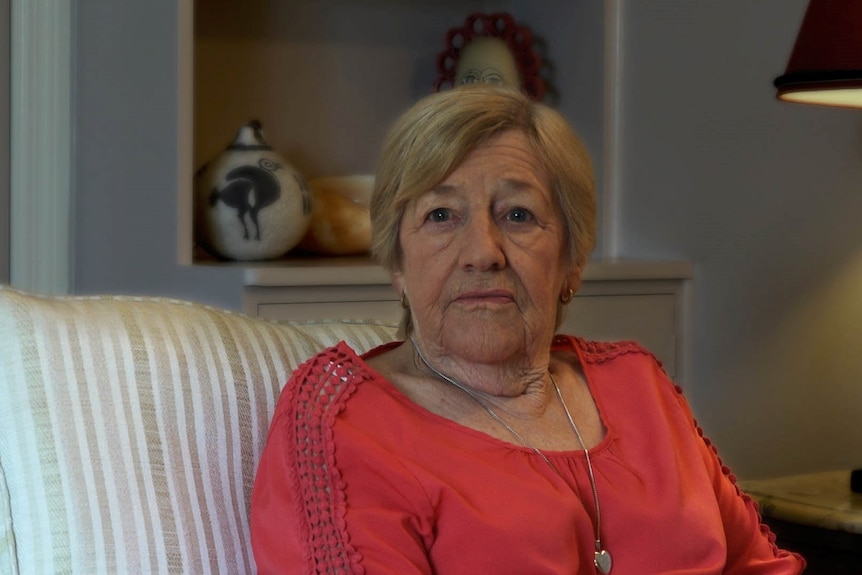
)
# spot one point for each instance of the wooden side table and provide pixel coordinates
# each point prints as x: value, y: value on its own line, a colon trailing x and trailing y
x: 816, y: 515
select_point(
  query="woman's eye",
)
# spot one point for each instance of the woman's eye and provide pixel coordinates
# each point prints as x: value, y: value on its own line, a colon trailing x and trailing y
x: 438, y: 215
x: 519, y: 215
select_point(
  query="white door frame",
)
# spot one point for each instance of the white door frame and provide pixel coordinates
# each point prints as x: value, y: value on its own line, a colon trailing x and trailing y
x: 4, y: 140
x: 41, y: 109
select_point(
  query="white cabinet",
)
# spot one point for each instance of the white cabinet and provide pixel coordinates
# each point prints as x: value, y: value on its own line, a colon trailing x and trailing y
x: 642, y: 301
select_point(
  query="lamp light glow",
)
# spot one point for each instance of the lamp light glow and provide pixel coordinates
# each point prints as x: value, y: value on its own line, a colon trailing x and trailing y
x: 825, y: 67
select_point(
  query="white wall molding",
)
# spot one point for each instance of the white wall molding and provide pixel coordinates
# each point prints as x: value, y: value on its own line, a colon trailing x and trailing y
x: 4, y: 142
x: 185, y: 129
x: 41, y: 145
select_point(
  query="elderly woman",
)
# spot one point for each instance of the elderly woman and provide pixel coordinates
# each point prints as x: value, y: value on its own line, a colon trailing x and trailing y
x: 483, y: 442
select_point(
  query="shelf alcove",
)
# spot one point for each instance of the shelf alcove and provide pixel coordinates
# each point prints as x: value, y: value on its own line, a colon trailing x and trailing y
x: 326, y: 79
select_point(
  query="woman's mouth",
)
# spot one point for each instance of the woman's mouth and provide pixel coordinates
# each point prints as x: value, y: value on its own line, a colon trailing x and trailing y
x: 478, y: 297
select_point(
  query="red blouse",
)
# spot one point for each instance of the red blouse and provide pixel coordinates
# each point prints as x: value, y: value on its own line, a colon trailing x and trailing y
x: 356, y: 478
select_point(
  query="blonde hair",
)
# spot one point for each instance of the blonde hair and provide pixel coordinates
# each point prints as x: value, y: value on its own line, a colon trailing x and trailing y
x: 431, y: 139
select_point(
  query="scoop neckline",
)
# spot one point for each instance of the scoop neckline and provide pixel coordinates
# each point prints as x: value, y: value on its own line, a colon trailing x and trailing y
x: 566, y: 343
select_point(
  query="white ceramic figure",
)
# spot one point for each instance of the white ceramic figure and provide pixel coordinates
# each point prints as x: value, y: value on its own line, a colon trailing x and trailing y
x: 250, y: 204
x: 491, y: 49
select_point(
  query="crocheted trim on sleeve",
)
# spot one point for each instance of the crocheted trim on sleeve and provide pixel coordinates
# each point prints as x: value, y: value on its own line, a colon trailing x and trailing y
x: 319, y: 391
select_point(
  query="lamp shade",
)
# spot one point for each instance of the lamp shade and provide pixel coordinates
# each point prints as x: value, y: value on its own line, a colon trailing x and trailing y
x: 825, y: 66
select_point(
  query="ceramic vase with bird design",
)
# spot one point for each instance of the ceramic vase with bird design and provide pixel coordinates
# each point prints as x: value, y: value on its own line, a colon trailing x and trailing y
x: 250, y: 204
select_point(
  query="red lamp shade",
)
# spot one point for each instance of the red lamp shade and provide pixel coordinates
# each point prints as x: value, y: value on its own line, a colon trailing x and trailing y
x: 825, y: 66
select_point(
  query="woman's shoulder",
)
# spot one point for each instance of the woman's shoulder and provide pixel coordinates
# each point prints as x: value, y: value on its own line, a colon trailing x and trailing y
x: 329, y: 378
x: 325, y: 381
x: 590, y: 351
x: 339, y: 360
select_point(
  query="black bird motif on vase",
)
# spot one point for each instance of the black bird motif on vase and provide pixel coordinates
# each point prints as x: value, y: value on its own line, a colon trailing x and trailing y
x: 249, y: 190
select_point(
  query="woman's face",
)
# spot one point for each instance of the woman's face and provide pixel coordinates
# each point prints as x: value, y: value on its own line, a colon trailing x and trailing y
x: 483, y: 257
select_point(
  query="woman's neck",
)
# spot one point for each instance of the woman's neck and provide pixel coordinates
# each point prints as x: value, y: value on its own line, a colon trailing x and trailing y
x: 520, y: 388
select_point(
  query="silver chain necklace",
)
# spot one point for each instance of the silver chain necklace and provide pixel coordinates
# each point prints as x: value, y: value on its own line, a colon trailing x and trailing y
x: 602, y: 558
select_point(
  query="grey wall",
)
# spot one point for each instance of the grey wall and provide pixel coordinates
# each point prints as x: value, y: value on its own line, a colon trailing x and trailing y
x: 126, y: 156
x: 764, y: 197
x: 761, y: 196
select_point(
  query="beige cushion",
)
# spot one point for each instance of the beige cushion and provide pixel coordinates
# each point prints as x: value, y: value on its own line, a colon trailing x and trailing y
x: 130, y: 429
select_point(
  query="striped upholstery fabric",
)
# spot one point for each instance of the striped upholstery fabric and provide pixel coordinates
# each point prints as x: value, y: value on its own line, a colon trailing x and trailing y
x: 130, y: 429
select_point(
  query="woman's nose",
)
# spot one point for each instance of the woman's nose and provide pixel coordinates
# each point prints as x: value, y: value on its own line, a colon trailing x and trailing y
x: 482, y: 244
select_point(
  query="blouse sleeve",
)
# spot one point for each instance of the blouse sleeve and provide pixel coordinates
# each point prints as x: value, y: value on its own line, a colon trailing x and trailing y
x: 751, y: 548
x: 301, y: 520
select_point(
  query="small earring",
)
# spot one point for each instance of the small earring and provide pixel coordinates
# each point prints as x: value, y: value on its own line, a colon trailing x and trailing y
x: 404, y: 303
x: 566, y: 299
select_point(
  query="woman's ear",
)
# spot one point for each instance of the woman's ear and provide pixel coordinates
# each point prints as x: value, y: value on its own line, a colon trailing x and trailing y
x: 573, y: 279
x: 397, y: 280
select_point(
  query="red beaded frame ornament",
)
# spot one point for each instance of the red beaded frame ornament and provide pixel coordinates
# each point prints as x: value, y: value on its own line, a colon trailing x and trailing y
x: 500, y: 25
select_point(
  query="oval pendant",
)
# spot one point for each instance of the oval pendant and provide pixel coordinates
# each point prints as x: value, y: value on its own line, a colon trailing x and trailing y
x: 603, y: 561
